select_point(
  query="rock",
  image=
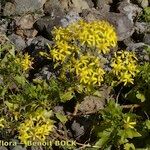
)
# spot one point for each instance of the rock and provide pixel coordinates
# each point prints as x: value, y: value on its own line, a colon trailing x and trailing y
x: 78, y: 129
x: 3, y: 148
x: 59, y: 109
x: 3, y: 26
x: 54, y: 9
x: 17, y: 40
x: 9, y: 9
x: 146, y: 39
x: 25, y: 6
x: 46, y: 24
x: 26, y: 33
x: 139, y: 49
x: 44, y: 74
x: 71, y: 17
x: 123, y: 25
x: 142, y: 27
x: 19, y: 147
x: 143, y: 3
x: 25, y: 22
x: 129, y: 9
x: 79, y: 5
x: 103, y: 5
x: 91, y: 103
x: 37, y: 44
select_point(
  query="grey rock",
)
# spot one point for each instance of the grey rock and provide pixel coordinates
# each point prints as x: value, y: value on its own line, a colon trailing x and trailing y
x: 3, y: 26
x: 71, y: 17
x: 142, y: 27
x: 123, y: 25
x: 146, y: 39
x: 78, y: 129
x: 3, y: 148
x: 140, y: 50
x: 38, y: 43
x: 143, y: 3
x: 59, y: 109
x: 46, y: 24
x: 129, y: 9
x: 103, y: 5
x: 18, y: 41
x: 45, y: 73
x: 25, y: 6
x: 9, y: 9
x: 19, y: 147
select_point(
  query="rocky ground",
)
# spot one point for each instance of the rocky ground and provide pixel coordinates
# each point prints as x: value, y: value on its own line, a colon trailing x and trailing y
x: 28, y: 24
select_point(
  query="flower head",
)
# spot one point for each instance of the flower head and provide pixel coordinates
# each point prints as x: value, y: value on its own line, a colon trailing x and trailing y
x: 128, y: 124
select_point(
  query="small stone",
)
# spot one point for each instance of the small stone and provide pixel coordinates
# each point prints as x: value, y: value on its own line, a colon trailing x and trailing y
x: 19, y: 147
x: 146, y: 39
x: 9, y: 9
x: 25, y: 22
x: 143, y: 3
x: 142, y: 27
x: 17, y: 40
x: 3, y: 26
x: 79, y: 5
x: 3, y: 148
x: 71, y: 17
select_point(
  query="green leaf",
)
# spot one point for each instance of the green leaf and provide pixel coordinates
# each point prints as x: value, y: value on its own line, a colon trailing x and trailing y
x: 131, y: 133
x: 61, y: 117
x: 11, y: 106
x: 140, y: 96
x: 20, y: 79
x: 67, y: 96
x: 129, y: 146
x: 148, y: 124
x: 97, y: 93
x: 105, y: 136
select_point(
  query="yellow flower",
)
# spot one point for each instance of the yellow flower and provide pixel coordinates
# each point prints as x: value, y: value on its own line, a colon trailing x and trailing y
x: 124, y: 66
x: 2, y: 121
x: 36, y: 127
x: 26, y: 62
x: 128, y: 124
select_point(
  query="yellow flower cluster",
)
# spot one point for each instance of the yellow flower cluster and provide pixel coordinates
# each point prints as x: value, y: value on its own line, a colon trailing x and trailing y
x: 96, y: 34
x: 77, y: 48
x: 25, y: 62
x: 124, y: 66
x: 89, y: 70
x: 36, y: 127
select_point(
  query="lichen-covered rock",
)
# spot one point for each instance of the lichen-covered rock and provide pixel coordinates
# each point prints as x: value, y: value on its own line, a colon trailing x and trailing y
x: 25, y: 6
x: 9, y: 9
